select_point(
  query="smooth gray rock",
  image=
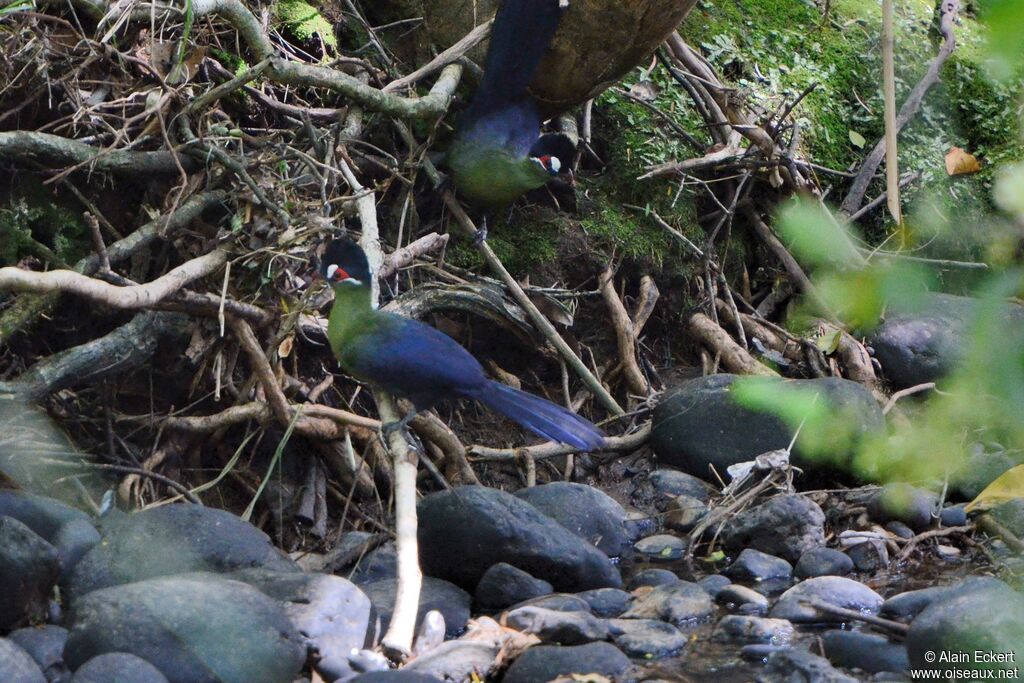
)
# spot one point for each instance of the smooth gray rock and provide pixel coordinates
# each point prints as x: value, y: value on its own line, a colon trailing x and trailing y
x: 700, y: 428
x: 332, y: 613
x: 29, y: 567
x: 16, y: 666
x: 560, y: 602
x: 173, y: 539
x: 714, y: 583
x: 954, y: 515
x: 503, y: 585
x: 195, y: 628
x: 464, y: 531
x: 822, y: 561
x: 566, y: 628
x: 684, y: 512
x: 118, y: 667
x: 865, y: 651
x: 899, y: 502
x: 794, y: 664
x: 398, y: 676
x: 45, y: 644
x: 377, y: 565
x: 646, y: 638
x: 1011, y: 515
x: 900, y: 529
x: 67, y: 529
x: 740, y: 596
x: 669, y: 484
x: 837, y: 591
x: 653, y: 576
x: 679, y: 603
x: 661, y: 547
x: 447, y: 598
x: 786, y: 526
x: 584, y: 510
x: 747, y: 629
x: 456, y: 660
x: 978, y: 470
x: 607, y: 602
x: 921, y: 346
x: 754, y: 565
x: 977, y: 614
x: 907, y: 605
x: 547, y: 662
x: 869, y: 557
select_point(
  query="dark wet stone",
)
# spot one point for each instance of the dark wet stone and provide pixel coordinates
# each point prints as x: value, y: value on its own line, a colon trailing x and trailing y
x: 678, y: 604
x: 561, y: 602
x: 447, y: 598
x: 700, y: 428
x: 173, y: 539
x: 899, y: 502
x: 378, y: 564
x: 399, y: 676
x: 953, y: 515
x: 978, y: 471
x: 332, y: 613
x: 547, y: 662
x: 741, y: 596
x: 980, y: 613
x: 118, y: 667
x: 647, y: 638
x: 794, y: 664
x: 760, y: 652
x: 837, y: 591
x: 16, y: 666
x: 67, y: 529
x: 864, y: 651
x: 567, y: 628
x: 661, y: 547
x: 753, y: 565
x: 607, y: 602
x: 669, y: 484
x: 869, y: 557
x: 713, y: 583
x: 195, y: 628
x: 786, y: 526
x: 907, y: 605
x: 45, y: 644
x: 652, y: 577
x: 639, y: 525
x: 584, y: 510
x: 900, y: 529
x: 822, y: 561
x: 29, y: 567
x: 745, y: 629
x: 503, y: 585
x: 1011, y: 515
x: 684, y: 512
x: 921, y: 346
x: 464, y: 531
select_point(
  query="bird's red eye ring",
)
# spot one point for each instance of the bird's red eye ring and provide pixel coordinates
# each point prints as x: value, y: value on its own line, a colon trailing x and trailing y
x: 546, y: 161
x: 340, y: 274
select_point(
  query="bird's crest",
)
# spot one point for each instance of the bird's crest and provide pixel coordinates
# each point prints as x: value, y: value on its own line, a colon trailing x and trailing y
x: 345, y: 261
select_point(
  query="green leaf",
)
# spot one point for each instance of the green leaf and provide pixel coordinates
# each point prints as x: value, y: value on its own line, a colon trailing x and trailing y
x: 857, y: 139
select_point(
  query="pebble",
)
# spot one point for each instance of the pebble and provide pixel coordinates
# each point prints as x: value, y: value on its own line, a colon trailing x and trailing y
x: 653, y: 577
x: 607, y: 602
x: 455, y: 660
x: 29, y: 568
x: 746, y: 629
x: 833, y: 590
x: 754, y: 565
x: 794, y: 664
x: 447, y: 598
x: 661, y: 547
x: 822, y: 561
x: 741, y: 596
x: 669, y: 484
x: 17, y: 666
x: 45, y: 644
x: 786, y: 526
x: 684, y: 512
x: 678, y: 604
x: 584, y: 510
x: 119, y: 667
x: 560, y: 602
x: 953, y: 515
x: 713, y: 583
x: 907, y: 605
x: 503, y: 585
x: 869, y: 557
x: 899, y: 502
x: 648, y: 638
x: 566, y: 628
x: 548, y: 662
x: 866, y: 651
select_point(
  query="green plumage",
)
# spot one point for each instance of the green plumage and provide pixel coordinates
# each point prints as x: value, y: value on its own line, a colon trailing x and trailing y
x: 491, y: 177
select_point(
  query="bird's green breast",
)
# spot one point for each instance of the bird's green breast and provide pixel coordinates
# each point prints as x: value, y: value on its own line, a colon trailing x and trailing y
x: 492, y: 177
x: 350, y: 323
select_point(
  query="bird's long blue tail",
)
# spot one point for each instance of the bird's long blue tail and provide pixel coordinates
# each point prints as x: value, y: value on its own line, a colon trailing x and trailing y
x: 540, y: 416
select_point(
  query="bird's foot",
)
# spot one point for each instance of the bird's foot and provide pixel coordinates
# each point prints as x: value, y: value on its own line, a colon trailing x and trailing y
x: 402, y: 426
x: 480, y: 236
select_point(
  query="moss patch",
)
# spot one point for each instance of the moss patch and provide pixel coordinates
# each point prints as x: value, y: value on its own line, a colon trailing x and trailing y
x: 305, y: 22
x: 30, y: 214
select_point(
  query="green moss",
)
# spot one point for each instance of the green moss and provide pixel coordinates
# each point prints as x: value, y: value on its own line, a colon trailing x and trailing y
x: 520, y: 245
x: 305, y: 21
x: 30, y: 214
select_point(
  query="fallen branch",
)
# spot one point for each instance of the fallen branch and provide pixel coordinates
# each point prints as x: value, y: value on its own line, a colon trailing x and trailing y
x: 131, y: 297
x: 550, y: 449
x: 931, y: 533
x: 455, y: 52
x: 734, y: 357
x: 625, y: 334
x: 53, y: 151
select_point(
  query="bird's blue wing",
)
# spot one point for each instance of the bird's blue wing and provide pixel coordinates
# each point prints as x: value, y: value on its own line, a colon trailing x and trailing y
x: 411, y: 359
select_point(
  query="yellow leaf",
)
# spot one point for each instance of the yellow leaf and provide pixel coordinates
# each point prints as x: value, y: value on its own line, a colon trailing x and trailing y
x: 1007, y: 486
x: 960, y: 162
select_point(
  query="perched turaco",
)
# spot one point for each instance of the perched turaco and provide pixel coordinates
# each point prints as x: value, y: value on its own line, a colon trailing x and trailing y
x: 411, y: 359
x: 498, y: 152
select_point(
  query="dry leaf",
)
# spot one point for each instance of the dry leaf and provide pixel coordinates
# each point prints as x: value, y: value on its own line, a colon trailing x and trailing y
x: 961, y: 162
x: 1007, y: 486
x: 284, y: 349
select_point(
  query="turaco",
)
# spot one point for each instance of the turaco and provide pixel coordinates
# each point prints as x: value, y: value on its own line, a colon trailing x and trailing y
x: 411, y: 359
x: 498, y: 152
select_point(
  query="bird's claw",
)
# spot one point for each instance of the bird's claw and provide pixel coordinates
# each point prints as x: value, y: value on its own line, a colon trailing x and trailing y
x: 480, y: 236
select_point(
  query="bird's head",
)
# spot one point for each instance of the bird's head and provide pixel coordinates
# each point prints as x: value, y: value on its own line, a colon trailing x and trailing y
x: 551, y: 164
x: 344, y: 264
